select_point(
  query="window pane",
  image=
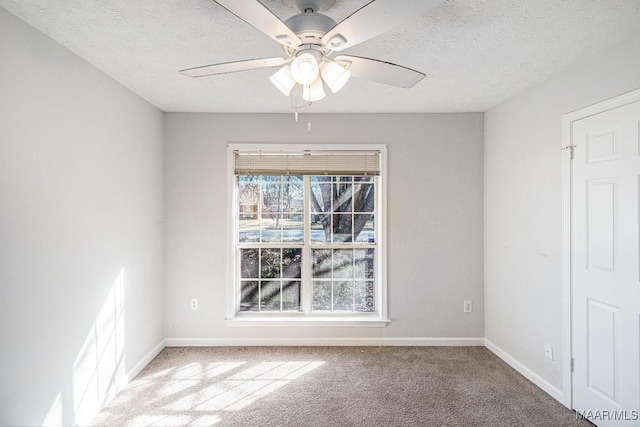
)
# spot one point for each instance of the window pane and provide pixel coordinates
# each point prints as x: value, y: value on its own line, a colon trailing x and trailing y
x: 249, y: 191
x: 270, y: 262
x: 248, y: 228
x: 343, y: 263
x: 249, y: 296
x: 343, y: 296
x: 364, y: 229
x: 321, y: 263
x: 249, y: 263
x: 291, y: 296
x: 271, y: 194
x: 363, y: 197
x: 321, y: 179
x: 321, y: 295
x: 342, y: 227
x: 270, y: 296
x: 318, y: 225
x: 342, y: 194
x: 292, y: 227
x: 320, y: 194
x: 292, y: 194
x: 363, y: 263
x: 363, y: 296
x: 292, y: 263
x: 271, y: 227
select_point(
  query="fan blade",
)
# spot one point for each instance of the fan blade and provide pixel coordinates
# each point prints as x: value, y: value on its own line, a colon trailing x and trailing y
x: 380, y: 71
x: 232, y: 67
x: 261, y: 18
x: 372, y: 19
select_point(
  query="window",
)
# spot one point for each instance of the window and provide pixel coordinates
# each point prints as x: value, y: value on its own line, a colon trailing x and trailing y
x: 308, y: 234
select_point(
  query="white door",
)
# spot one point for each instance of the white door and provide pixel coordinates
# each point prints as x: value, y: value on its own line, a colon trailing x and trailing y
x: 604, y: 261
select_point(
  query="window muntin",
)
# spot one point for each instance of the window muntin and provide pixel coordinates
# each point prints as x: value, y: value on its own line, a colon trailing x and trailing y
x: 342, y: 208
x: 343, y: 280
x: 270, y: 209
x: 270, y: 279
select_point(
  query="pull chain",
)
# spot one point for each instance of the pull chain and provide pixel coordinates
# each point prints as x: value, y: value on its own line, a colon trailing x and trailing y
x: 294, y: 103
x: 309, y: 119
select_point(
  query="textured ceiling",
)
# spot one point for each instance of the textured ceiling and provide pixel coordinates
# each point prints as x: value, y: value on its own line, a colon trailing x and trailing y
x: 476, y: 53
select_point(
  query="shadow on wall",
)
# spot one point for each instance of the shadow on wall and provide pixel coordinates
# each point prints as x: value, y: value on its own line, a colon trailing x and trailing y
x: 99, y: 368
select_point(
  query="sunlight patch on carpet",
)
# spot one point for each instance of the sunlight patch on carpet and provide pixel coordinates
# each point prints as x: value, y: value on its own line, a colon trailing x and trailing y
x: 241, y: 389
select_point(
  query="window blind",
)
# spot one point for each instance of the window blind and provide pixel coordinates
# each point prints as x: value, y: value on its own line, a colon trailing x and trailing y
x: 307, y: 163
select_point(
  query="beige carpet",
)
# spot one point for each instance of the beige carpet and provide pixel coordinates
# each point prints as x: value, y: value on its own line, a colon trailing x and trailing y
x: 333, y: 386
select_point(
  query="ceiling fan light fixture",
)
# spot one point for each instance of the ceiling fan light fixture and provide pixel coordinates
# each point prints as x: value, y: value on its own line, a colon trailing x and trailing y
x: 304, y: 69
x: 335, y: 75
x: 283, y: 80
x: 313, y: 92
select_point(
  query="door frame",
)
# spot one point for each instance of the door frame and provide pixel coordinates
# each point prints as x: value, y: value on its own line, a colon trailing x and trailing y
x: 567, y: 172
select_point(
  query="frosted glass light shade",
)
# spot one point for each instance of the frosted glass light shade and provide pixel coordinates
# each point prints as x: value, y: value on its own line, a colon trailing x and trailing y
x: 313, y: 92
x: 335, y: 76
x: 283, y: 80
x: 304, y: 69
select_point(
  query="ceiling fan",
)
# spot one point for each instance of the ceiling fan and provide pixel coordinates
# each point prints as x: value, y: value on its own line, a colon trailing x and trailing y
x: 310, y: 38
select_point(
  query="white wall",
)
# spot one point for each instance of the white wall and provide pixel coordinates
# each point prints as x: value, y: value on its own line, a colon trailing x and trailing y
x: 434, y: 219
x: 522, y: 172
x: 81, y: 211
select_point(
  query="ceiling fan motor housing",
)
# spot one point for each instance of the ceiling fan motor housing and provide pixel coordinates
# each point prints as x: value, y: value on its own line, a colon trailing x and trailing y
x: 310, y: 27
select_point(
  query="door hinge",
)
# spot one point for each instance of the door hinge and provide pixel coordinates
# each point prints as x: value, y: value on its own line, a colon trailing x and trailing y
x: 572, y: 364
x: 571, y: 149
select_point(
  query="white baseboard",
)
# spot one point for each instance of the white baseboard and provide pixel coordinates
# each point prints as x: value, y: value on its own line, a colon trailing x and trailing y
x: 145, y: 361
x: 526, y: 372
x: 375, y: 341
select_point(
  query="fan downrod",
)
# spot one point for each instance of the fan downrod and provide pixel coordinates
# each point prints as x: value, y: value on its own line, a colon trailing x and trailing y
x: 313, y: 6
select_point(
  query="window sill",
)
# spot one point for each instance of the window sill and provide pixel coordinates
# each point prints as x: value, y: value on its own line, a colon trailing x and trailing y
x: 307, y: 321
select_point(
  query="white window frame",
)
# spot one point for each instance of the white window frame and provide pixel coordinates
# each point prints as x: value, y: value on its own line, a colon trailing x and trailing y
x: 237, y: 318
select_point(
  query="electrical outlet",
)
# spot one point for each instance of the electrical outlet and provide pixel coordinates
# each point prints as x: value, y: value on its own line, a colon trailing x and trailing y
x: 548, y: 351
x: 468, y: 306
x: 194, y: 303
